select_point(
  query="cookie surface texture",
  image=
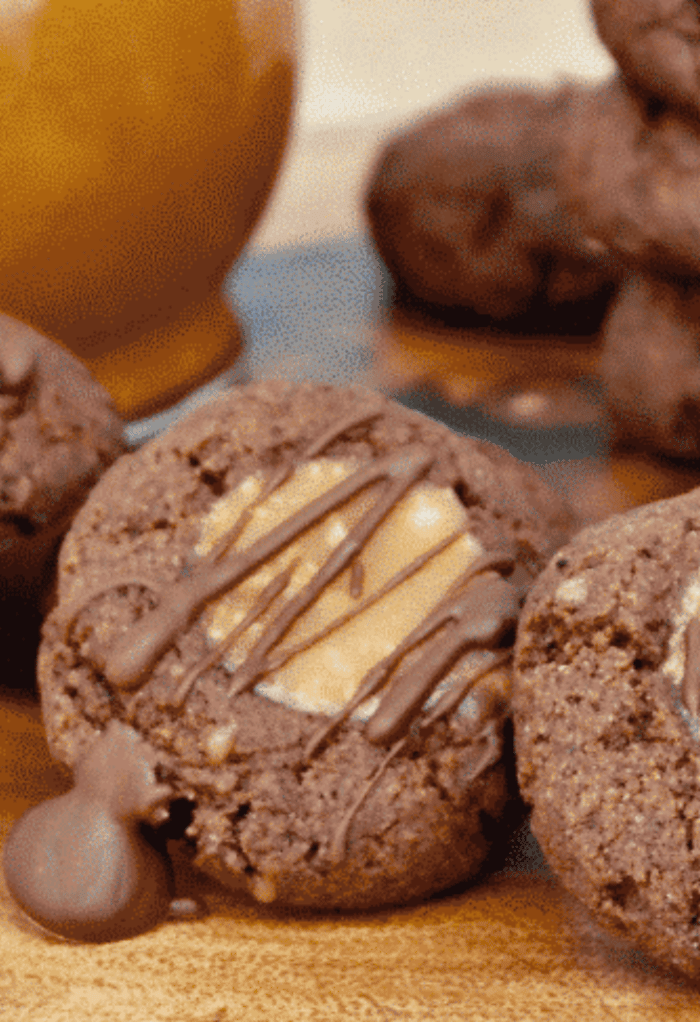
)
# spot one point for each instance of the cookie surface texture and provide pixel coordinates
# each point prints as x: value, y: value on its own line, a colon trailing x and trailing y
x: 606, y: 723
x: 183, y: 589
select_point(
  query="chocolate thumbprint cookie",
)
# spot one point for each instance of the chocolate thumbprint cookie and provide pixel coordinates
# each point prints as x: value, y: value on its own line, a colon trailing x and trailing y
x: 302, y: 601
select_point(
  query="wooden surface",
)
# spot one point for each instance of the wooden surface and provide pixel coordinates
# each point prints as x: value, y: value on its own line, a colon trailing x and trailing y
x: 514, y: 947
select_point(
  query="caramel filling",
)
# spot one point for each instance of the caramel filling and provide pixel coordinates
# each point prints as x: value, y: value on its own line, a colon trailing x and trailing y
x: 360, y: 618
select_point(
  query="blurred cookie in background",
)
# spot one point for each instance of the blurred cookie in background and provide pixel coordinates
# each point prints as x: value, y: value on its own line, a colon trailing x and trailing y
x: 632, y: 171
x: 651, y: 367
x: 466, y: 211
x: 657, y: 46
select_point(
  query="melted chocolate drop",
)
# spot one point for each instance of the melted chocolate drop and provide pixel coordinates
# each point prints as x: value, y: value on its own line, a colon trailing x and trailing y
x: 78, y: 864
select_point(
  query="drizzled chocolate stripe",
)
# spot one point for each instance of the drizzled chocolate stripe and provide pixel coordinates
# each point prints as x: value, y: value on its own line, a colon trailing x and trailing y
x: 690, y: 686
x: 283, y: 657
x: 450, y: 700
x: 445, y: 613
x: 269, y: 594
x: 481, y: 617
x: 280, y: 477
x: 338, y: 429
x: 357, y: 579
x: 405, y: 473
x: 340, y: 836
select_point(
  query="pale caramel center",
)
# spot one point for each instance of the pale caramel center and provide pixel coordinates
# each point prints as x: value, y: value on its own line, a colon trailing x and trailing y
x: 323, y: 676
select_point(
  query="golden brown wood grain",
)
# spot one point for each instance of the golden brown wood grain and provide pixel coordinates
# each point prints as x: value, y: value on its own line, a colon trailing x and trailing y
x: 514, y: 948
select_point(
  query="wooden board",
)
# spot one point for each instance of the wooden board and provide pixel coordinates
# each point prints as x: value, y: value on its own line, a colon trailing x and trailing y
x: 512, y: 949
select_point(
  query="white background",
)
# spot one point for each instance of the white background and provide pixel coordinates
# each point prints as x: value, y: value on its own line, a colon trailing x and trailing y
x: 368, y: 66
x: 363, y: 58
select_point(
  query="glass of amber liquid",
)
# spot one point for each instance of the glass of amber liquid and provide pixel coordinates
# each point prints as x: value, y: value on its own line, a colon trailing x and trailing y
x: 139, y: 140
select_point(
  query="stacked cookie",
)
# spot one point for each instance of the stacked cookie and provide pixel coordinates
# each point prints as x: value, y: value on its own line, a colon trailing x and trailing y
x: 632, y: 172
x: 566, y: 195
x: 468, y: 213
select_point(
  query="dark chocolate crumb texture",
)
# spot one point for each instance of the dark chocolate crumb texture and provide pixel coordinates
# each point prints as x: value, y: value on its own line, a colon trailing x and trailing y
x: 607, y: 723
x: 303, y: 600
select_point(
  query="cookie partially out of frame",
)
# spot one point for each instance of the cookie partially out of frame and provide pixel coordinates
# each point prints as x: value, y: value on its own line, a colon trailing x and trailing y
x: 607, y: 723
x: 650, y: 364
x: 303, y: 793
x: 58, y: 432
x: 631, y: 169
x: 657, y: 45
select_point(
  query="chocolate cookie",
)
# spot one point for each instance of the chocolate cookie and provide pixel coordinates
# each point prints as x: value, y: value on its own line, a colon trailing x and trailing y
x: 607, y: 723
x: 240, y: 591
x: 466, y: 211
x: 650, y: 364
x: 657, y: 45
x: 632, y: 171
x: 59, y: 432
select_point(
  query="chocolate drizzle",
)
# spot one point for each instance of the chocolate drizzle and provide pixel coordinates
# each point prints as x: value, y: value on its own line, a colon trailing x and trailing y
x: 690, y: 687
x: 130, y: 660
x: 481, y: 616
x: 479, y: 612
x: 405, y: 698
x: 405, y: 471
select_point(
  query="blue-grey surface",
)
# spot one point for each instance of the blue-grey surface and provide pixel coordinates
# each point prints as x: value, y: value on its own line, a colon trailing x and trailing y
x: 303, y: 310
x: 305, y: 314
